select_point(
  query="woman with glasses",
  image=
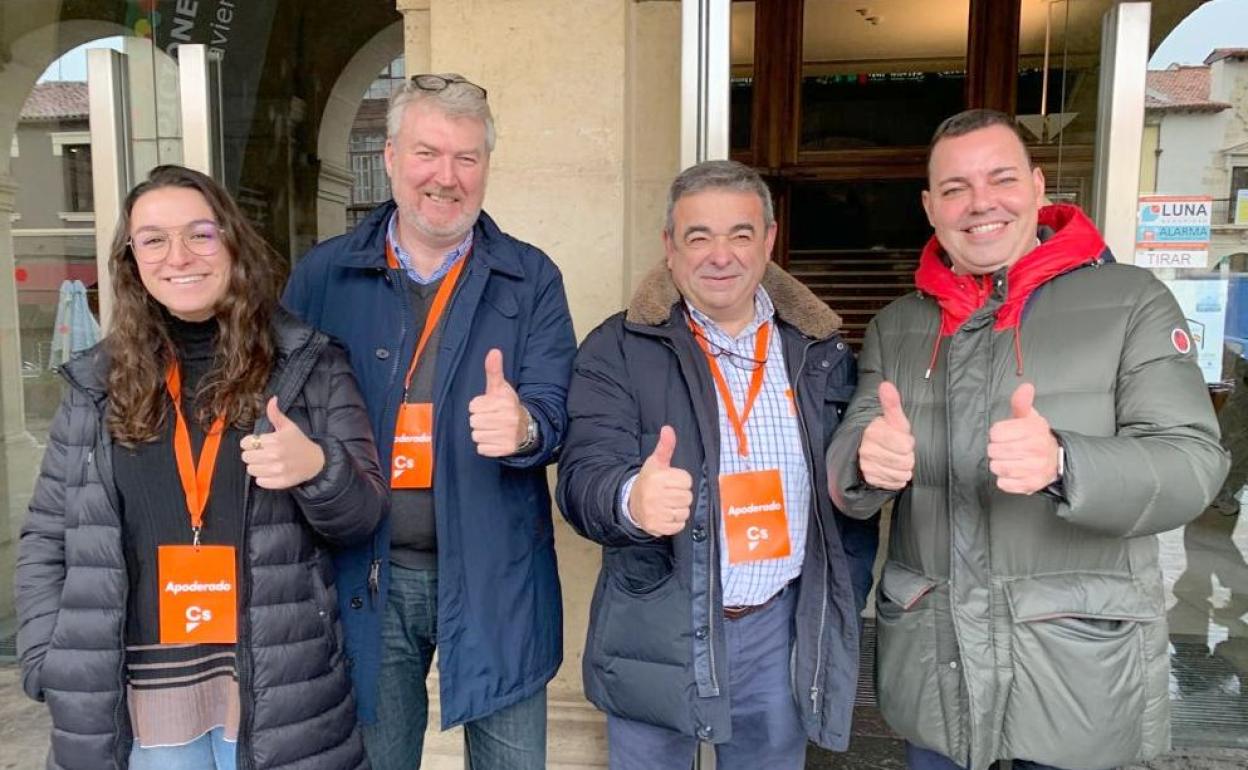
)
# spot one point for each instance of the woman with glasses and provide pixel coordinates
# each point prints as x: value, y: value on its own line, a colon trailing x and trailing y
x: 174, y: 582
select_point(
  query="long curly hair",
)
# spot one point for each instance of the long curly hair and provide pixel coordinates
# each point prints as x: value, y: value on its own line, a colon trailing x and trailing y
x: 139, y: 343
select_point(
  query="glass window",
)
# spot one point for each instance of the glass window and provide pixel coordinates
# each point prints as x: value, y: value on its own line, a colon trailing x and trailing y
x: 856, y: 244
x: 863, y: 68
x: 77, y: 164
x: 1194, y: 164
x: 741, y: 85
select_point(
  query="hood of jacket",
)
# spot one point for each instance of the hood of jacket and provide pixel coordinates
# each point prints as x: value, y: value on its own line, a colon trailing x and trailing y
x: 1069, y: 240
x: 795, y: 304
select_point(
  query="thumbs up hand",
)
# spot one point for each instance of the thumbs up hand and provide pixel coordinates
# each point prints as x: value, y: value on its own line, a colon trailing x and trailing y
x: 660, y: 499
x: 284, y: 458
x: 498, y: 420
x: 886, y: 454
x: 1022, y: 451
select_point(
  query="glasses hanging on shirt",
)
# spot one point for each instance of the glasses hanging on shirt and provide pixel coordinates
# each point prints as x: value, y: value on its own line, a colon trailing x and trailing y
x: 721, y: 353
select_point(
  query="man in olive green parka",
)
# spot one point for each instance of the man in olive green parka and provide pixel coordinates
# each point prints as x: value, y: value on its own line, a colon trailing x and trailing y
x: 1037, y: 413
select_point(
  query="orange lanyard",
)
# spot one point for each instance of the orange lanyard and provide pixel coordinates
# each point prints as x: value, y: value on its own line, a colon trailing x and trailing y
x: 756, y: 381
x: 435, y: 310
x: 196, y: 477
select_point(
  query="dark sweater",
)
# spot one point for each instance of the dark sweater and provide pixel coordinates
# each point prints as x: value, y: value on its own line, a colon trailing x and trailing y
x: 413, y: 531
x: 176, y: 691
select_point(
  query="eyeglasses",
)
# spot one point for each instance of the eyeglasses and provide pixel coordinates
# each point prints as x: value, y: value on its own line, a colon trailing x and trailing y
x: 151, y: 244
x: 435, y: 83
x: 744, y: 363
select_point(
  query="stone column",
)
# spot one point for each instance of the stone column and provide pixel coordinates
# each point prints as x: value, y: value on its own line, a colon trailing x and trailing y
x: 333, y: 194
x: 416, y: 25
x: 19, y: 453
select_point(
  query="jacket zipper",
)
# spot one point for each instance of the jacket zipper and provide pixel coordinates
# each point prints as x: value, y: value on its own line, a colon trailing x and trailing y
x: 242, y: 649
x: 823, y: 583
x: 393, y: 277
x: 712, y: 559
x: 120, y: 714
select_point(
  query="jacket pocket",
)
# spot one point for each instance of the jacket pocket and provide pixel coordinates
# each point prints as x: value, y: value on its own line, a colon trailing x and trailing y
x: 325, y: 609
x: 641, y: 569
x: 640, y: 592
x: 917, y: 673
x: 1079, y: 684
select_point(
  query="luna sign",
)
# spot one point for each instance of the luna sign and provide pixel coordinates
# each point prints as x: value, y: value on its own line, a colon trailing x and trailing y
x: 1173, y: 231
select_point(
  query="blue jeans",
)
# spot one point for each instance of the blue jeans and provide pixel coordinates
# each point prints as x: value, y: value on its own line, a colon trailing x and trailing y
x: 511, y: 739
x: 767, y: 728
x: 923, y: 759
x: 210, y: 751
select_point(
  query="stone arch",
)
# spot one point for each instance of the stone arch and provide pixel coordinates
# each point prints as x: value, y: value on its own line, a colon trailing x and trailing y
x: 333, y: 189
x: 31, y: 54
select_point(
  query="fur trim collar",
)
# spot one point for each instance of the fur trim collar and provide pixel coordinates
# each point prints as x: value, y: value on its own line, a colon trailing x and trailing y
x: 795, y: 304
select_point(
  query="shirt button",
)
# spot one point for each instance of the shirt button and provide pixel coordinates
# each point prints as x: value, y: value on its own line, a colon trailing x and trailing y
x: 699, y: 534
x: 383, y: 353
x: 357, y: 603
x: 705, y: 732
x: 840, y: 346
x: 824, y: 364
x: 701, y: 633
x: 953, y: 664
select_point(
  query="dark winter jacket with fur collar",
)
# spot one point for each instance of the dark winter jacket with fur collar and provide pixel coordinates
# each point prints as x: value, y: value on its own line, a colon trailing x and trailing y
x: 655, y: 647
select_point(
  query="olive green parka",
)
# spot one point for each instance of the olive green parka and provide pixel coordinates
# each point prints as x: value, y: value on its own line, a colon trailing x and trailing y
x: 1033, y: 626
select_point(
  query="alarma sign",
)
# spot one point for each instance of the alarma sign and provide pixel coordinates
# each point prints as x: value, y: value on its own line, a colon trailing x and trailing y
x: 1173, y: 231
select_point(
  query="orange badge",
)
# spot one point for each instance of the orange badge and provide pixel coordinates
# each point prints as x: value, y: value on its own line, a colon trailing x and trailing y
x: 198, y: 594
x: 412, y: 466
x: 755, y: 522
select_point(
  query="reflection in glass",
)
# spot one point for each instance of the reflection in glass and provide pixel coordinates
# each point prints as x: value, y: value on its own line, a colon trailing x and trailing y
x: 880, y: 75
x: 741, y: 85
x: 856, y: 244
x: 1059, y: 51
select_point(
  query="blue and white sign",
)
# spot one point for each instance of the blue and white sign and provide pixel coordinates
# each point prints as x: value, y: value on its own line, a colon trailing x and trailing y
x: 1173, y: 231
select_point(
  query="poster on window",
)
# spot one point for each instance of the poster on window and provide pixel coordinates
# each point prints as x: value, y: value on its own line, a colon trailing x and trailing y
x: 1241, y: 207
x: 1204, y: 305
x: 1173, y: 231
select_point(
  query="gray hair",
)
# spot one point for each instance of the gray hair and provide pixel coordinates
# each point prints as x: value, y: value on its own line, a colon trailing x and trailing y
x: 459, y: 99
x: 719, y: 175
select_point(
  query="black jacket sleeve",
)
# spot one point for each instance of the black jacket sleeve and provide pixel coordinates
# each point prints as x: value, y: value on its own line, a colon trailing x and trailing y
x: 603, y: 448
x: 346, y: 501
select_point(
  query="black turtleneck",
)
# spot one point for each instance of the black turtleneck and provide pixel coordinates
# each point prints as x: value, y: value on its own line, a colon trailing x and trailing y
x: 153, y: 505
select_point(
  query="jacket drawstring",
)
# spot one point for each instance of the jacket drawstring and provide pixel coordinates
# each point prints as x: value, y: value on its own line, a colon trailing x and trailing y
x: 931, y: 361
x: 1018, y: 348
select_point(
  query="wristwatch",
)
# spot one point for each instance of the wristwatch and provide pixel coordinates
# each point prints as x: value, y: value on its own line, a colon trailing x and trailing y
x: 531, y: 435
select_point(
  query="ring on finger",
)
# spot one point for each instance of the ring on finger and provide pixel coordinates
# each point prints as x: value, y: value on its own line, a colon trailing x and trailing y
x: 255, y: 442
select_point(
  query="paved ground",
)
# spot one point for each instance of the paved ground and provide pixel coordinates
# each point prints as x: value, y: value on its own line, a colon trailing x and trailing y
x: 24, y: 731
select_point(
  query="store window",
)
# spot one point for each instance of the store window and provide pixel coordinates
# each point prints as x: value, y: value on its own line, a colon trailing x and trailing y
x: 77, y: 166
x: 865, y: 65
x: 1194, y: 164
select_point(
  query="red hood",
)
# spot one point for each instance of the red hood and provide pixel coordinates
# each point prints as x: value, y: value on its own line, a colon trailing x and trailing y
x: 1074, y: 243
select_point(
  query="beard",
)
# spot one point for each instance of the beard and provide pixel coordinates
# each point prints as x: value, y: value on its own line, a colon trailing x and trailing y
x: 411, y: 215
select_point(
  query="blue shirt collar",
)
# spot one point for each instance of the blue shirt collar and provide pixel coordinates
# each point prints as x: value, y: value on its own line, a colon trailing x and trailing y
x: 405, y: 260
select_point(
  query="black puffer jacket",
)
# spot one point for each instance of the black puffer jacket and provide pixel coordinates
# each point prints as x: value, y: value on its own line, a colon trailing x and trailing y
x: 297, y: 707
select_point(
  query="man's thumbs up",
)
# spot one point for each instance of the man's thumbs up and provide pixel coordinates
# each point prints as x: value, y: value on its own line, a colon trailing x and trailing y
x: 1021, y: 402
x: 498, y: 420
x: 1022, y: 451
x: 284, y: 458
x: 661, y: 457
x: 662, y: 495
x: 890, y: 402
x: 886, y: 454
x: 495, y: 382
